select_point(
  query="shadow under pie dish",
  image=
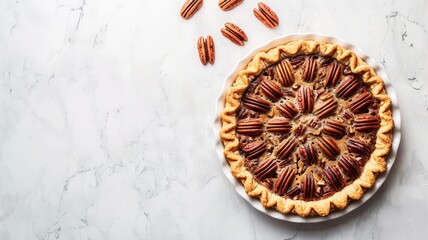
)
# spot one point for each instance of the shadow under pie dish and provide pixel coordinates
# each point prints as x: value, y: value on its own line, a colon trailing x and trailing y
x: 306, y: 127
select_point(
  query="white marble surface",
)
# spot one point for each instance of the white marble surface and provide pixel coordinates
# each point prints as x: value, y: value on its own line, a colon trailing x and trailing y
x: 106, y: 116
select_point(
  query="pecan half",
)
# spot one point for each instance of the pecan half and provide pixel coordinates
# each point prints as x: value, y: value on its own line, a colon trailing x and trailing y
x: 328, y: 146
x: 310, y: 69
x: 308, y: 187
x: 227, y: 5
x: 306, y: 99
x: 308, y: 154
x: 189, y: 8
x: 287, y: 109
x: 347, y: 87
x: 234, y: 33
x: 297, y: 61
x: 285, y: 148
x: 278, y: 125
x: 206, y: 50
x: 249, y: 127
x: 360, y: 103
x: 348, y: 115
x: 284, y: 181
x: 334, y: 177
x: 329, y: 105
x: 334, y: 128
x: 366, y: 123
x: 284, y: 73
x: 257, y: 104
x: 349, y: 166
x: 265, y: 15
x: 333, y: 74
x: 293, y: 191
x: 254, y: 149
x: 271, y: 89
x: 358, y: 146
x: 267, y: 168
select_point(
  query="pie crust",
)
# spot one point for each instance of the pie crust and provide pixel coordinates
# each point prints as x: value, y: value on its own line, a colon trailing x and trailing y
x: 328, y: 170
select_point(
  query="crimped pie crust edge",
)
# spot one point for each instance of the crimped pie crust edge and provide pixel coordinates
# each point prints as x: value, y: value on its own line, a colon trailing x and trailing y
x: 376, y: 163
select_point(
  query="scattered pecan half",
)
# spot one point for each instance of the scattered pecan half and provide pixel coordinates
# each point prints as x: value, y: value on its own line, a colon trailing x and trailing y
x: 366, y: 123
x: 254, y: 149
x: 251, y: 127
x: 271, y: 90
x: 349, y: 166
x: 328, y: 105
x: 189, y: 8
x: 308, y: 153
x: 267, y: 168
x: 227, y: 5
x: 334, y: 177
x: 328, y: 146
x: 287, y: 109
x: 278, y: 125
x: 257, y: 104
x: 284, y: 181
x: 334, y: 128
x: 310, y: 69
x: 206, y: 50
x: 333, y: 74
x: 234, y: 33
x: 347, y: 87
x: 285, y: 148
x: 308, y: 186
x: 265, y: 15
x: 361, y: 102
x: 305, y: 97
x: 358, y: 146
x: 284, y: 73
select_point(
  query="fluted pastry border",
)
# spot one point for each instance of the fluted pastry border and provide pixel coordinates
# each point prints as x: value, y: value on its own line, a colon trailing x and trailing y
x: 376, y: 164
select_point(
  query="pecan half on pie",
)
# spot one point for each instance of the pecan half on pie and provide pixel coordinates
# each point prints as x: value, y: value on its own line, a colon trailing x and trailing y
x: 307, y: 127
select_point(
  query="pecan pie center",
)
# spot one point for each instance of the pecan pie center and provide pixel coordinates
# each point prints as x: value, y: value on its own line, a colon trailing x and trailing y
x: 306, y: 127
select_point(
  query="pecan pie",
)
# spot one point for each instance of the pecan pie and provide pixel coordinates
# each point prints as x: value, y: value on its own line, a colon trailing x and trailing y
x: 307, y: 127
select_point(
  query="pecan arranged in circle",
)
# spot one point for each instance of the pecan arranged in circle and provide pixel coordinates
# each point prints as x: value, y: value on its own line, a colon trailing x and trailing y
x: 257, y: 104
x: 361, y: 102
x: 267, y: 168
x: 333, y: 74
x: 287, y: 109
x: 189, y: 8
x: 234, y: 33
x: 358, y: 146
x: 284, y: 181
x: 349, y: 166
x: 366, y: 123
x: 334, y: 128
x: 265, y: 15
x: 284, y: 73
x: 310, y: 70
x: 306, y: 99
x: 227, y: 5
x: 308, y: 153
x: 328, y: 105
x: 334, y: 177
x: 250, y: 127
x: 254, y: 149
x: 285, y: 148
x: 278, y: 125
x: 271, y: 89
x: 308, y: 186
x: 347, y: 87
x: 328, y: 146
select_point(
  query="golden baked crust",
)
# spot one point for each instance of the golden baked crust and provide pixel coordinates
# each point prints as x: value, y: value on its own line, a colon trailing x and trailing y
x: 376, y: 163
